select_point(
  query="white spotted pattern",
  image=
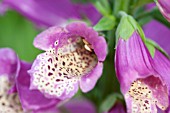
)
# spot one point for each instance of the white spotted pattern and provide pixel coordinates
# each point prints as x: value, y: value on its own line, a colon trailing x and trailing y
x: 143, y: 100
x: 9, y: 103
x: 59, y: 70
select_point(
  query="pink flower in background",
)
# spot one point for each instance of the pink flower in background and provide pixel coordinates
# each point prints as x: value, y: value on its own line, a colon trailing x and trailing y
x: 159, y: 33
x: 73, y: 57
x: 8, y: 68
x: 75, y: 105
x: 15, y: 81
x: 53, y: 12
x: 164, y: 6
x: 117, y: 108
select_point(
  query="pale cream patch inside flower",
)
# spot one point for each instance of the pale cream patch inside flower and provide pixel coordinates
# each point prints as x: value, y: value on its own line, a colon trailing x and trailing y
x: 9, y: 103
x: 143, y: 99
x: 59, y: 70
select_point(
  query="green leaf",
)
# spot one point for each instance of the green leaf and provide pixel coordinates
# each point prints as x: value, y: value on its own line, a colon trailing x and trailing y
x: 121, y: 5
x: 102, y: 6
x: 154, y: 13
x: 105, y: 23
x: 18, y: 33
x: 109, y: 102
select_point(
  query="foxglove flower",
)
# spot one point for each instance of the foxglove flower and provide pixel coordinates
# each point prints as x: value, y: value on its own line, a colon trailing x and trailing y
x: 15, y: 95
x: 73, y: 57
x: 164, y: 6
x: 53, y: 12
x: 9, y: 103
x: 144, y: 89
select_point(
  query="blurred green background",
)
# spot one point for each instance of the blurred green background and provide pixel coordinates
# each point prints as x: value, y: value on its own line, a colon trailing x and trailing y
x: 18, y: 33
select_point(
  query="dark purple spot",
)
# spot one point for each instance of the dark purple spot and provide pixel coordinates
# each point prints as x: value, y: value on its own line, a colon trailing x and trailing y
x: 50, y: 60
x: 63, y: 63
x: 55, y: 65
x: 53, y: 69
x: 146, y: 101
x: 59, y: 74
x: 49, y: 74
x: 56, y: 58
x: 64, y: 74
x: 57, y: 80
x: 47, y: 84
x: 48, y: 67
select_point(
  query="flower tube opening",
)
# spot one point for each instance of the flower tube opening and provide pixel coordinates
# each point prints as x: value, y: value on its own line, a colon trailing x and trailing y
x: 146, y: 94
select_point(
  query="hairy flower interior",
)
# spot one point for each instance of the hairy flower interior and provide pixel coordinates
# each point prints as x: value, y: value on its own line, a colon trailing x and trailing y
x: 60, y: 69
x: 146, y: 94
x: 9, y: 103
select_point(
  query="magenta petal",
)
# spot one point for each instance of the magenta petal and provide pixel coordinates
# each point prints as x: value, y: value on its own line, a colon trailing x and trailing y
x: 79, y: 105
x: 159, y: 33
x: 88, y: 82
x: 48, y: 110
x: 164, y: 6
x: 53, y: 12
x: 47, y: 38
x: 132, y: 61
x: 73, y: 54
x: 162, y: 66
x: 3, y: 8
x: 117, y: 108
x: 9, y: 65
x: 90, y: 11
x: 98, y: 42
x: 8, y: 61
x: 31, y: 99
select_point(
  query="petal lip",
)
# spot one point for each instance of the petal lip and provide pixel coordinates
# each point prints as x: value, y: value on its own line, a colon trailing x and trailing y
x: 46, y: 39
x: 98, y: 43
x: 8, y: 61
x: 161, y: 65
x: 88, y: 81
x: 31, y: 99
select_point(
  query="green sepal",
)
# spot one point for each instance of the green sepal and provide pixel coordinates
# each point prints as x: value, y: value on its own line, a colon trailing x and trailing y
x: 110, y: 101
x: 105, y: 23
x: 152, y: 46
x: 127, y: 27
